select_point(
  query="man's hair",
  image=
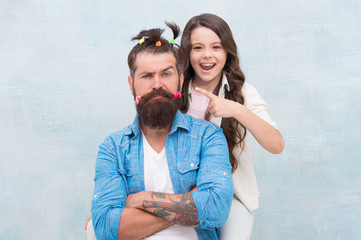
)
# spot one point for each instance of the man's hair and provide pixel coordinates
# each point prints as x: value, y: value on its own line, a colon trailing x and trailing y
x: 148, y: 44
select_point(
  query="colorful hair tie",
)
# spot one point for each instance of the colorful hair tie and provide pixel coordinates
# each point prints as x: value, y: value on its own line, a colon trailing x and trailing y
x: 172, y: 41
x: 158, y: 44
x: 141, y: 41
x: 137, y: 99
x: 177, y: 95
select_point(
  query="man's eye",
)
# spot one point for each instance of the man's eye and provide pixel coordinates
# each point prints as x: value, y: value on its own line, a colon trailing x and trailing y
x: 166, y: 74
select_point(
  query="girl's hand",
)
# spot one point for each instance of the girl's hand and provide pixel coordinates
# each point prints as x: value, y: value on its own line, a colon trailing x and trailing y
x: 87, y: 221
x: 220, y: 107
x: 266, y: 135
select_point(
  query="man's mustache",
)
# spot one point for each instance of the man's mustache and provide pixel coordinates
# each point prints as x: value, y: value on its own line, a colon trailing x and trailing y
x: 155, y: 93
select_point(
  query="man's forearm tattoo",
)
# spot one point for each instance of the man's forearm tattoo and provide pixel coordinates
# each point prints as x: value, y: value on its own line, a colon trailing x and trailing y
x: 158, y: 195
x: 180, y: 210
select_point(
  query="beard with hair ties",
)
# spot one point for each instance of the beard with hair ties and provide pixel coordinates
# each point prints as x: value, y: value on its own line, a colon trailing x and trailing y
x: 157, y: 109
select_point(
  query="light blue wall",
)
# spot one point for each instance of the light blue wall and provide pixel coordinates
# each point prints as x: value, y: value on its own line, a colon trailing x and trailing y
x: 63, y: 88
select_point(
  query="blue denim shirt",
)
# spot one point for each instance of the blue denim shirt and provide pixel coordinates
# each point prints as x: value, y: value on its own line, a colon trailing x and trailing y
x: 197, y: 155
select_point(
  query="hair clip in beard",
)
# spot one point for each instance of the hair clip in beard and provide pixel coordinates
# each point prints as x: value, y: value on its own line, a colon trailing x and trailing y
x: 177, y: 95
x: 137, y: 99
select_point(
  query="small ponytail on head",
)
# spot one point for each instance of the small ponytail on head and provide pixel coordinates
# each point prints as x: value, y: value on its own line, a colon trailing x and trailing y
x: 152, y: 41
x: 175, y: 30
x: 152, y: 35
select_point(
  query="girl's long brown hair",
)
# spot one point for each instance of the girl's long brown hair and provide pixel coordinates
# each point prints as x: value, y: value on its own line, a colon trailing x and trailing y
x: 234, y: 131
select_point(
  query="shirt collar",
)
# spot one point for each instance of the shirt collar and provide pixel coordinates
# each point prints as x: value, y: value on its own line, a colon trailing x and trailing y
x: 180, y: 121
x: 224, y: 86
x: 134, y: 128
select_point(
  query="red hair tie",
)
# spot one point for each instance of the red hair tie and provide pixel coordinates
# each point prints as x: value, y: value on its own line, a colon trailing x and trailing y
x: 137, y: 99
x: 177, y: 95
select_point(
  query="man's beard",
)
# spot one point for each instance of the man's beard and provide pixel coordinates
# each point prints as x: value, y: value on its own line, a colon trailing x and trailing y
x: 158, y: 113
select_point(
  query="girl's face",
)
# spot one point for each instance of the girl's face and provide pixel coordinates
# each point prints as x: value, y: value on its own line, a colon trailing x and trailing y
x: 207, y: 57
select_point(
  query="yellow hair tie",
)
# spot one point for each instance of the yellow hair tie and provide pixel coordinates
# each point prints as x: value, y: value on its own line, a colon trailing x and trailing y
x: 141, y: 41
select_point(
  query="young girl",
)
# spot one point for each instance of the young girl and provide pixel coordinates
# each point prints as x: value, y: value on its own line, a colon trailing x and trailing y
x: 215, y: 89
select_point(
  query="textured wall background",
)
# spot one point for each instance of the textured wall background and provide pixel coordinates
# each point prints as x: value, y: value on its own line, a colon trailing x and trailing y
x: 63, y: 88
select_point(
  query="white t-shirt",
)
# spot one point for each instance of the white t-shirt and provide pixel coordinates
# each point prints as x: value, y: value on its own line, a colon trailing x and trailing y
x: 157, y: 179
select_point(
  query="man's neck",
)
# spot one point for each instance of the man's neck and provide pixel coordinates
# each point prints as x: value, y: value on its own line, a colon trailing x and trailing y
x: 156, y: 137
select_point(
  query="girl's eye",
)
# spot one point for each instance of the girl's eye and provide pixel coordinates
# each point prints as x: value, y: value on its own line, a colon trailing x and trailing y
x: 197, y: 48
x: 217, y: 47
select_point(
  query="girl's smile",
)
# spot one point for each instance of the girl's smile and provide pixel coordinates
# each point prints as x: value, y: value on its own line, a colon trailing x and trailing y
x: 207, y: 57
x: 207, y: 67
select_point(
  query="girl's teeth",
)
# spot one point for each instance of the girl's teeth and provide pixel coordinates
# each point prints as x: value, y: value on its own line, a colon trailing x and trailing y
x: 207, y: 66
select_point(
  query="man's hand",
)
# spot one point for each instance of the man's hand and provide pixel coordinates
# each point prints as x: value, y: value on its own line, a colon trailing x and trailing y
x: 177, y: 208
x: 194, y: 189
x: 135, y: 200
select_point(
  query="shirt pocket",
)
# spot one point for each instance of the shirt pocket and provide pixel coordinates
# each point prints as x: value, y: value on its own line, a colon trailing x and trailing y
x: 129, y: 178
x: 188, y: 173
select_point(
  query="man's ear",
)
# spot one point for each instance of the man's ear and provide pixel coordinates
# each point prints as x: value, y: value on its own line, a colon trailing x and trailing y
x: 181, y: 80
x: 130, y: 82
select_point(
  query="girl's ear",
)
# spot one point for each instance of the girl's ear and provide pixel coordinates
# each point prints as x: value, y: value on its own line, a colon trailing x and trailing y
x: 181, y: 80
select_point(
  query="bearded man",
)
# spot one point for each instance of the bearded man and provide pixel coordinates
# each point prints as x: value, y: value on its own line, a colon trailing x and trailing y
x: 167, y: 175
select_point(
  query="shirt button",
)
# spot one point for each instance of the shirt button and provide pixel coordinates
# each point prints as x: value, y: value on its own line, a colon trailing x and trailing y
x: 95, y: 196
x: 192, y: 164
x: 224, y: 173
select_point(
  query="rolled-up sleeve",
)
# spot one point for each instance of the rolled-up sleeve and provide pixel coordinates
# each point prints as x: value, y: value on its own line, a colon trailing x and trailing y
x: 109, y: 193
x: 214, y: 181
x: 256, y: 104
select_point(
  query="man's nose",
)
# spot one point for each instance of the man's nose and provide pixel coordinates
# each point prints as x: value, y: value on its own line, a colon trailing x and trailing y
x: 157, y: 82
